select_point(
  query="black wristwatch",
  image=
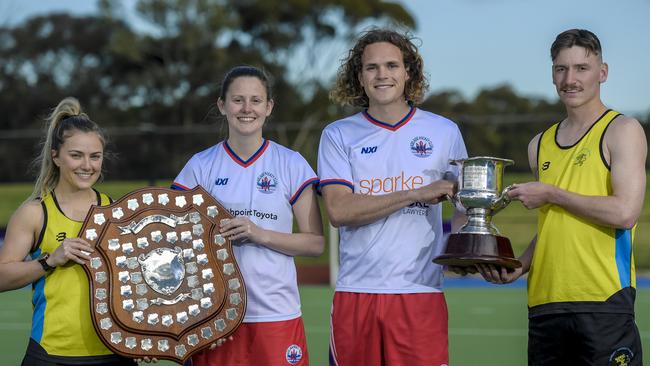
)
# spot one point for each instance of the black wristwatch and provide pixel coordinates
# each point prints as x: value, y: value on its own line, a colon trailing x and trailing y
x: 43, y: 261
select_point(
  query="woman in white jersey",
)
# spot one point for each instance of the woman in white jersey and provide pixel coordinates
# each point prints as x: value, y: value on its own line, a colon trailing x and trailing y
x: 264, y: 185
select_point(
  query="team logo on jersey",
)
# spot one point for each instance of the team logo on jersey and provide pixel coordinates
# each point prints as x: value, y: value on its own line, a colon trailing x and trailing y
x: 421, y: 147
x: 369, y: 150
x: 582, y: 156
x: 60, y: 236
x: 546, y: 165
x: 621, y: 357
x: 221, y: 181
x: 294, y: 354
x: 266, y: 183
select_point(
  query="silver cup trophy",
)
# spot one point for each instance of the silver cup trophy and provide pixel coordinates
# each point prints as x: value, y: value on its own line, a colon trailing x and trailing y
x: 481, y: 193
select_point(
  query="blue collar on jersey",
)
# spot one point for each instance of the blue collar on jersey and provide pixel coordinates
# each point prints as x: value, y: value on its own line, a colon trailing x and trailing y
x: 252, y: 159
x: 388, y: 126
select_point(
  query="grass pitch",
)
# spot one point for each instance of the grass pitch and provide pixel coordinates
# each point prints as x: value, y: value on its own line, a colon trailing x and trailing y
x: 487, y: 325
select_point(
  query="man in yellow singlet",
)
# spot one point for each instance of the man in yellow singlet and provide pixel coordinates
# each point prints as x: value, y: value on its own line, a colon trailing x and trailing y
x: 591, y: 178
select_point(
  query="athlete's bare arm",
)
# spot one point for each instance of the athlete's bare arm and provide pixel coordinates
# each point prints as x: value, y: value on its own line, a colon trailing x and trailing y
x: 626, y: 149
x: 346, y: 208
x: 22, y: 231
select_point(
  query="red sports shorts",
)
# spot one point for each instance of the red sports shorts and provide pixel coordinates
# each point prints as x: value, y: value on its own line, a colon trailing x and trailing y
x: 388, y: 329
x: 255, y: 344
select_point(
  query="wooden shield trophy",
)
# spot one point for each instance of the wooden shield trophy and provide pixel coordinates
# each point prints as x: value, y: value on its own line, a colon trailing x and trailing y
x: 163, y: 282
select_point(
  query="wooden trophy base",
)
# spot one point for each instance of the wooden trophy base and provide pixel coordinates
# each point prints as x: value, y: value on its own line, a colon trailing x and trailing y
x: 466, y: 250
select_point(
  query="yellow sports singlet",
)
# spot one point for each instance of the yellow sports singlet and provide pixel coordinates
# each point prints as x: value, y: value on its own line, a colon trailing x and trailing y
x: 61, y: 323
x: 579, y: 266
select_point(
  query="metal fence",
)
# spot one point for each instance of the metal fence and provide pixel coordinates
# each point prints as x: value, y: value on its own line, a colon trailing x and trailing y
x: 150, y: 152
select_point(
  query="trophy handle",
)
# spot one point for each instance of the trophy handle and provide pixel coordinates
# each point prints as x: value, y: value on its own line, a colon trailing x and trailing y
x: 455, y: 201
x: 504, y: 200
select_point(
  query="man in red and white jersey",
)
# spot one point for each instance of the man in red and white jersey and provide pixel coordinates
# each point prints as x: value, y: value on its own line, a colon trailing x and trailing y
x: 381, y: 175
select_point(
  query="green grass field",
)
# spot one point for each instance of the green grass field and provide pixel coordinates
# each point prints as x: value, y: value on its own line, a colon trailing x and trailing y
x: 515, y: 221
x: 487, y: 325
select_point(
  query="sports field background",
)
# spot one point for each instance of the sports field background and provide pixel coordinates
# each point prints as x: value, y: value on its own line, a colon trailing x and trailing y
x: 515, y: 221
x: 487, y: 324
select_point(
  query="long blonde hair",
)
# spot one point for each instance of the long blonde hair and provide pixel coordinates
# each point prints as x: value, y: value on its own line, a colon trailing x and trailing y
x: 66, y: 118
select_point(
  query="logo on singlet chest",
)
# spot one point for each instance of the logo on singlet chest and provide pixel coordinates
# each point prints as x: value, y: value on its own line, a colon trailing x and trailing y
x: 61, y: 236
x: 582, y: 157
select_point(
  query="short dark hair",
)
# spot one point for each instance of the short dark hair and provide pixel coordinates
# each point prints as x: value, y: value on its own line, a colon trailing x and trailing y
x: 576, y: 37
x: 245, y: 70
x: 348, y: 89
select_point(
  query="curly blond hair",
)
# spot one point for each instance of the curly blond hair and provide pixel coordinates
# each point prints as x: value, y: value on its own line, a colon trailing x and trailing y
x: 349, y: 91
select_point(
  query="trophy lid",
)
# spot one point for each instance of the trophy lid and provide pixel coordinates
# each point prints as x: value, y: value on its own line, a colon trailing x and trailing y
x: 481, y: 159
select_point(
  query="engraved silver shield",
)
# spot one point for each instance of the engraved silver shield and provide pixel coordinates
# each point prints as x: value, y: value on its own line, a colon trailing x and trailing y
x: 163, y: 269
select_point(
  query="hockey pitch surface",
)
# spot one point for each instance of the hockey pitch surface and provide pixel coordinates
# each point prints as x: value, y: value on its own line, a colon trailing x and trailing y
x: 487, y: 323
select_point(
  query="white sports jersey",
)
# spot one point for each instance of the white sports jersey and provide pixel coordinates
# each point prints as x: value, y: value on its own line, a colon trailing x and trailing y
x: 263, y: 188
x: 393, y: 254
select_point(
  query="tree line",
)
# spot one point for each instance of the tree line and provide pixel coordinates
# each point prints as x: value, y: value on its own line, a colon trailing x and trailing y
x: 154, y: 83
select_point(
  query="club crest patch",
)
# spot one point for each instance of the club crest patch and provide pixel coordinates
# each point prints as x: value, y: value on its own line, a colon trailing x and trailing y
x: 293, y: 354
x: 421, y: 147
x: 621, y: 357
x: 266, y: 183
x: 581, y: 157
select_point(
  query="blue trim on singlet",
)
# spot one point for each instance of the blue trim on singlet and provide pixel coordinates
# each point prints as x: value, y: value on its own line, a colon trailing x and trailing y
x: 624, y: 256
x: 39, y: 302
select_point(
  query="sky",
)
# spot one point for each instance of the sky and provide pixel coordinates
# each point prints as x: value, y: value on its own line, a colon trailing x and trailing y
x: 468, y: 45
x: 471, y: 44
